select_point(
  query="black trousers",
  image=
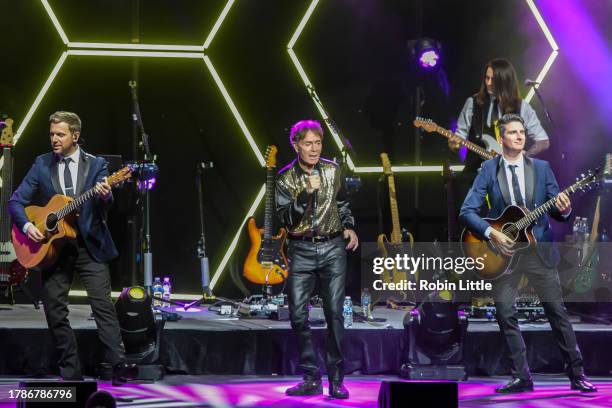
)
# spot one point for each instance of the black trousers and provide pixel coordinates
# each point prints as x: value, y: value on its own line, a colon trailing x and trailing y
x: 325, y: 262
x: 56, y: 282
x: 546, y: 283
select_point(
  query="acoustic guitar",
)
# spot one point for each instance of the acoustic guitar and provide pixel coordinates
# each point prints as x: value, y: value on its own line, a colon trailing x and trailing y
x: 56, y: 221
x: 517, y: 224
x: 11, y: 271
x: 266, y: 262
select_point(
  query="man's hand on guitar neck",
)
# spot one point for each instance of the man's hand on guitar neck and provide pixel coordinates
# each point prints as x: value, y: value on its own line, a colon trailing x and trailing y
x: 34, y: 233
x: 103, y: 189
x: 501, y: 242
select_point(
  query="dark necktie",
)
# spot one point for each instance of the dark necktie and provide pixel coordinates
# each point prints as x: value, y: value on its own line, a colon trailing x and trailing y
x: 494, y: 112
x: 68, y: 178
x: 518, y: 197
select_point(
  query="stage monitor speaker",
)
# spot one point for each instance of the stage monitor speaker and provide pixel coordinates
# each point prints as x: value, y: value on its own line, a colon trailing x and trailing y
x: 57, y: 394
x: 438, y: 394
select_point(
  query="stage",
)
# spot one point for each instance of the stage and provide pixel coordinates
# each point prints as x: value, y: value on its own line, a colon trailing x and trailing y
x: 268, y: 391
x: 204, y: 343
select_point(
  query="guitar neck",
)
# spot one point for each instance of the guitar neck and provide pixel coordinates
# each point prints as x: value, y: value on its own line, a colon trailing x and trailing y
x: 396, y: 234
x: 479, y: 150
x: 269, y: 211
x: 5, y: 194
x: 76, y: 203
x: 541, y: 210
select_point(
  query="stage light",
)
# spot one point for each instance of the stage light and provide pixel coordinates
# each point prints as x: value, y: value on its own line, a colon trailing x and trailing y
x: 429, y: 59
x: 137, y: 322
x: 435, y: 334
x: 426, y: 52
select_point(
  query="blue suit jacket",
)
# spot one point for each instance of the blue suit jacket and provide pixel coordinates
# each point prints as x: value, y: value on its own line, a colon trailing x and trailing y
x: 42, y: 182
x: 540, y: 186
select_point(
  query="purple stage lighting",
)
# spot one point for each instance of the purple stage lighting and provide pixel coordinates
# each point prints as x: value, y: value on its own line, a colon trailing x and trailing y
x: 425, y: 52
x: 148, y: 184
x: 429, y: 59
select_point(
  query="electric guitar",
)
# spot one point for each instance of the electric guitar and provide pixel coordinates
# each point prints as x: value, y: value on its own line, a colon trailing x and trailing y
x: 266, y: 262
x: 491, y: 147
x: 517, y: 224
x: 11, y: 271
x: 56, y: 221
x: 587, y: 267
x: 389, y: 246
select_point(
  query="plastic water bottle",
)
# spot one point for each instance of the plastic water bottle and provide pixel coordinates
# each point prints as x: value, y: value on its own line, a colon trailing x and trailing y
x: 366, y: 303
x: 584, y: 230
x: 347, y: 312
x: 158, y: 292
x: 167, y: 286
x: 604, y: 236
x: 576, y: 229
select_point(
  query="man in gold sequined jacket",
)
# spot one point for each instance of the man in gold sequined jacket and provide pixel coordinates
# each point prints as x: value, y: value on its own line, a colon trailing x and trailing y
x: 310, y: 203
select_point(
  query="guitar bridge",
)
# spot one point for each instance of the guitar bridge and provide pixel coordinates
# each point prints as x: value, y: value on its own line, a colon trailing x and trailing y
x: 267, y: 265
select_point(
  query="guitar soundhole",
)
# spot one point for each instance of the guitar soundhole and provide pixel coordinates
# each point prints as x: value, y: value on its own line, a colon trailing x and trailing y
x: 51, y: 223
x: 511, y: 231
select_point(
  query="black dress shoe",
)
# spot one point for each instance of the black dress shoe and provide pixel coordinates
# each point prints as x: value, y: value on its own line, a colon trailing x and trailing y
x: 338, y: 390
x: 516, y: 385
x: 123, y: 372
x: 582, y: 383
x: 306, y: 387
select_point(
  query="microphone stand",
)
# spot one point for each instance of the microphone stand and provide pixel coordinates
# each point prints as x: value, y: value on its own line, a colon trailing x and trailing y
x: 207, y: 296
x: 146, y: 170
x: 349, y: 176
x: 552, y: 124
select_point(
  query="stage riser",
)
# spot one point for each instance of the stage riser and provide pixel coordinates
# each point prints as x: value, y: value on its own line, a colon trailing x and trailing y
x: 264, y: 352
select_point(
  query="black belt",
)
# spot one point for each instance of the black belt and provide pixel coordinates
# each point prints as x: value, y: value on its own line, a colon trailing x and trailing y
x: 317, y: 238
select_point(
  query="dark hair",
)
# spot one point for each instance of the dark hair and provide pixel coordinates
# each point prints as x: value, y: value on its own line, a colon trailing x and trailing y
x: 299, y: 130
x: 506, y: 119
x: 72, y: 119
x: 505, y: 84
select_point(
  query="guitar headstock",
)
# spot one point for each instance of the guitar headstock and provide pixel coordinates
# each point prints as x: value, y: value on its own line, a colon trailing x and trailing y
x: 426, y: 124
x: 6, y: 137
x: 120, y: 176
x: 271, y: 156
x: 586, y: 181
x: 386, y: 164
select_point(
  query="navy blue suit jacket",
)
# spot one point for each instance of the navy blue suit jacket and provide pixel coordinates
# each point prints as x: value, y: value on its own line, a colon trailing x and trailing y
x: 540, y: 186
x: 42, y: 182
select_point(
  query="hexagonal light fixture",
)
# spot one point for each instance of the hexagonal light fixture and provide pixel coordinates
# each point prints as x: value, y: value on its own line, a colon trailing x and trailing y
x: 319, y: 105
x: 152, y: 51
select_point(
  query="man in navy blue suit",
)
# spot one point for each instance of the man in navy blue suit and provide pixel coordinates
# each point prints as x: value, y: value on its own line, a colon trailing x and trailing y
x: 70, y: 171
x: 515, y: 179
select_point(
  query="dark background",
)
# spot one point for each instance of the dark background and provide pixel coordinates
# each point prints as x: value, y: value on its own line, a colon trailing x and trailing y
x: 354, y: 52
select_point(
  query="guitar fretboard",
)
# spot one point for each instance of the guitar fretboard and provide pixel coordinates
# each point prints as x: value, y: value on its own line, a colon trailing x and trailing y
x: 479, y: 150
x: 5, y: 194
x: 269, y: 211
x: 543, y: 209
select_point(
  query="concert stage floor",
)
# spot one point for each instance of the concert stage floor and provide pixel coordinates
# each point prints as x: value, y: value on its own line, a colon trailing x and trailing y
x: 204, y: 343
x: 268, y: 391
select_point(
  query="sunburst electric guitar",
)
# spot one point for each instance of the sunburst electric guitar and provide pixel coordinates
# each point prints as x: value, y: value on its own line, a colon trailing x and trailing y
x: 56, y: 221
x: 11, y: 271
x: 266, y: 262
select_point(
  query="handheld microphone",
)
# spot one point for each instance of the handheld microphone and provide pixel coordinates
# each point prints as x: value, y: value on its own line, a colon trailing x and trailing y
x: 315, y: 195
x: 531, y: 82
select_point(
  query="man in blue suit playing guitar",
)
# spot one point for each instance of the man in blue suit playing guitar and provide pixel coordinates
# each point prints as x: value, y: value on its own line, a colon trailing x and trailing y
x: 69, y: 171
x: 515, y: 179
